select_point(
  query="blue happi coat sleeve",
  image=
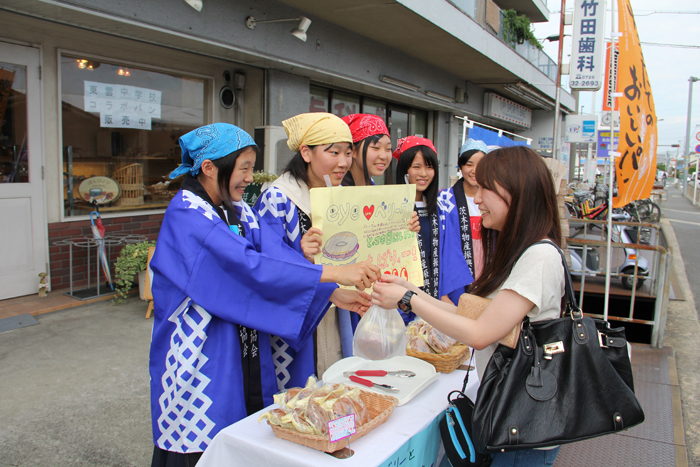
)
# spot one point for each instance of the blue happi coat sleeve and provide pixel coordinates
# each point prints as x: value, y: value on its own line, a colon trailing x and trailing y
x: 206, y: 282
x: 280, y: 213
x: 454, y: 270
x: 267, y: 287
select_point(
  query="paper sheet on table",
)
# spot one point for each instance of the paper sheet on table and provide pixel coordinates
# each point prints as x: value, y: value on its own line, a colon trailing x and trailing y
x: 368, y: 224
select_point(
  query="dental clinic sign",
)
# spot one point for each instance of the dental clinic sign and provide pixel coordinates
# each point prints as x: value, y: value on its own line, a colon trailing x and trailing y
x: 580, y: 128
x: 587, y: 67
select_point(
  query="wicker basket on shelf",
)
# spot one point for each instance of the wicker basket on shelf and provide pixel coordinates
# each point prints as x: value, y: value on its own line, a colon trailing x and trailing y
x: 443, y: 363
x: 379, y: 406
x: 130, y: 179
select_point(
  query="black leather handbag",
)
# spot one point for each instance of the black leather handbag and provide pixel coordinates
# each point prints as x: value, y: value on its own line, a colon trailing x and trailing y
x: 456, y: 429
x: 569, y: 379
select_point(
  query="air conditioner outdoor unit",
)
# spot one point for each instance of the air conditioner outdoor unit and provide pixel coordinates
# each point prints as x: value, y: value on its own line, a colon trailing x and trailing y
x: 272, y: 141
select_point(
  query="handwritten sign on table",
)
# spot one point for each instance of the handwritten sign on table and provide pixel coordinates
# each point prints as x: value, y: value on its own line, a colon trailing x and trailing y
x: 368, y: 224
x: 341, y: 428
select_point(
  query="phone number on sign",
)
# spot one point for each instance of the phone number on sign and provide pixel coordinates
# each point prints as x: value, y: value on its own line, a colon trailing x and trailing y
x: 593, y: 84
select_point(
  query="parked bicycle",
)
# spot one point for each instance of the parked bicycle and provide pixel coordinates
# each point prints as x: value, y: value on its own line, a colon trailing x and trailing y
x: 585, y: 206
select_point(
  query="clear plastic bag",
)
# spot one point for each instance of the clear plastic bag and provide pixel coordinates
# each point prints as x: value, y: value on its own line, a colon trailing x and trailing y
x: 380, y: 334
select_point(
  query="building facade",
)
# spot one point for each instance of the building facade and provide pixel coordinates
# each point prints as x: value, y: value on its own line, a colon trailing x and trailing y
x: 94, y: 95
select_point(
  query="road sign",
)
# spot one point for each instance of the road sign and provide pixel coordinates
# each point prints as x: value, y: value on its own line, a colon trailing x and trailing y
x: 697, y: 148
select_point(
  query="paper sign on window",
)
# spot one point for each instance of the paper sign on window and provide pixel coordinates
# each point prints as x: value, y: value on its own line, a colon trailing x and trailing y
x: 368, y: 224
x: 341, y: 428
x: 122, y: 106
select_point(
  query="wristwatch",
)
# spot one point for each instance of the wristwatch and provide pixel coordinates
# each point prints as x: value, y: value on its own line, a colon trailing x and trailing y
x: 405, y: 303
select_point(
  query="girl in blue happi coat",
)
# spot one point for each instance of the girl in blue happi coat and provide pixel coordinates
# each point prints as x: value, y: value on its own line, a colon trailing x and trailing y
x: 445, y: 272
x: 462, y: 213
x: 371, y: 157
x: 223, y: 283
x: 323, y: 146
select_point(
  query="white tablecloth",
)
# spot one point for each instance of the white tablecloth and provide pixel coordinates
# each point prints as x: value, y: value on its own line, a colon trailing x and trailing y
x: 249, y: 443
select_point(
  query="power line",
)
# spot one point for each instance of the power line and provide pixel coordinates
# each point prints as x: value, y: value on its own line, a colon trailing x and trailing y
x: 679, y: 46
x: 644, y: 14
x: 668, y: 13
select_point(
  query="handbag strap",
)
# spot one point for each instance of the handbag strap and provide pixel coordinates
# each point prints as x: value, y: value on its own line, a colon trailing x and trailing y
x: 571, y: 305
x: 466, y: 377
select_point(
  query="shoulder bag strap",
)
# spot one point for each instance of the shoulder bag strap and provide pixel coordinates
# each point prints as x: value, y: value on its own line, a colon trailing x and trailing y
x: 571, y: 305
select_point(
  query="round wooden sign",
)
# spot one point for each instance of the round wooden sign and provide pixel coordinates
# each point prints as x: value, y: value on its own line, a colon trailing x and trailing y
x: 100, y: 190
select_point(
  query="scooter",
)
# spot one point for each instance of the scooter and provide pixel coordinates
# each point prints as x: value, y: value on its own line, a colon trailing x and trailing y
x: 620, y: 234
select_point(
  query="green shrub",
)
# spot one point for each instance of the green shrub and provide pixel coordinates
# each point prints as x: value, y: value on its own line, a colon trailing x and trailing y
x: 132, y: 259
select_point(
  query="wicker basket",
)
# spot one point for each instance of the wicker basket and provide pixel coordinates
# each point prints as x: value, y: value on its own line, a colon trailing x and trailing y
x: 443, y: 363
x: 130, y: 179
x: 379, y: 406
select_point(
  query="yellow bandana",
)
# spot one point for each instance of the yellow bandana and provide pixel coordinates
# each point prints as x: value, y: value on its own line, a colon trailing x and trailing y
x: 313, y: 129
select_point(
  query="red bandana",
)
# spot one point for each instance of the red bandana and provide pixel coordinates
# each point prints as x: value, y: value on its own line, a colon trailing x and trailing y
x: 365, y: 125
x: 404, y: 144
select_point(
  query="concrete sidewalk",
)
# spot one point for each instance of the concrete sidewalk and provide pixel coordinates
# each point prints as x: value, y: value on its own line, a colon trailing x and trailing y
x: 75, y: 389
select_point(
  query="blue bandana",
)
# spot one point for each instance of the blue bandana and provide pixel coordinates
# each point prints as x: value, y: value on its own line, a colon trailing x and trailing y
x: 209, y: 142
x: 471, y: 144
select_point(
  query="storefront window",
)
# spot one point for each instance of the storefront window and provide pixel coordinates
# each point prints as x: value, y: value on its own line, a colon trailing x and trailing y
x: 345, y: 104
x: 419, y: 122
x: 378, y: 108
x: 319, y: 99
x: 120, y: 128
x: 13, y: 124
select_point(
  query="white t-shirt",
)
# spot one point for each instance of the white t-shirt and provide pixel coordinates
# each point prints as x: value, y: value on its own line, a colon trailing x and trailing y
x: 538, y: 275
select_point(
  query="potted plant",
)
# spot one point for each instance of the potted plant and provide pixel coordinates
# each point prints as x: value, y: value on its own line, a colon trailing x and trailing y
x: 517, y: 29
x: 260, y: 182
x: 132, y: 260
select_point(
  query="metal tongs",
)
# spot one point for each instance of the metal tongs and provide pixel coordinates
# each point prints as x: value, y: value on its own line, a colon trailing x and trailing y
x: 368, y: 383
x: 399, y: 373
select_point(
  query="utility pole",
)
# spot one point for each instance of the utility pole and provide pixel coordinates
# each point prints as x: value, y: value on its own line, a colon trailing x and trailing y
x: 686, y: 165
x: 555, y: 141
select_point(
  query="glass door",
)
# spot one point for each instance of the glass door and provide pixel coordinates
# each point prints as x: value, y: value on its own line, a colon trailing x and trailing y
x: 23, y: 246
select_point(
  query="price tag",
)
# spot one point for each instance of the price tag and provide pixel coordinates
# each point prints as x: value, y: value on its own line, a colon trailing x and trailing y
x: 341, y: 428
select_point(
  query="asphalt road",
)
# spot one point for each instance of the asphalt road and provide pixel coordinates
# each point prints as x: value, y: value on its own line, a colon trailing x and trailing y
x: 685, y: 219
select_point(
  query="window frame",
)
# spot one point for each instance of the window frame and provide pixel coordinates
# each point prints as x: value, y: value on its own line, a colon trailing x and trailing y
x: 209, y: 100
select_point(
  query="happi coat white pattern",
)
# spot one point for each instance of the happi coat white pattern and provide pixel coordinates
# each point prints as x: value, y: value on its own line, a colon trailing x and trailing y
x: 207, y: 280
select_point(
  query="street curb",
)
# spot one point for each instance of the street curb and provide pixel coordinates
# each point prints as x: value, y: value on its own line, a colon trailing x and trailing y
x: 677, y: 260
x: 682, y: 454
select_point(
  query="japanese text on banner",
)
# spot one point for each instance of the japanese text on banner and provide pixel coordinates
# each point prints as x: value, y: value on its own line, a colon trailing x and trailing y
x: 368, y: 224
x: 635, y: 169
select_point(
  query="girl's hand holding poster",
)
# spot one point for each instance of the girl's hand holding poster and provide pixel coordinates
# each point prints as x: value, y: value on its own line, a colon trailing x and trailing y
x: 368, y: 224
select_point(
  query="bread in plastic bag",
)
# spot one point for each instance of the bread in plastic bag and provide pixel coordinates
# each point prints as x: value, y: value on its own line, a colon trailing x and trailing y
x: 380, y: 334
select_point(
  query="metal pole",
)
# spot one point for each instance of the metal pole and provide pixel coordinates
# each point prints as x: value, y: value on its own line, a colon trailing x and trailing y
x: 686, y: 165
x: 555, y: 142
x: 611, y: 164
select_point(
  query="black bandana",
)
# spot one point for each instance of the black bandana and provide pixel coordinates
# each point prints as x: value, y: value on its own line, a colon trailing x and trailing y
x: 248, y: 338
x: 431, y: 263
x: 465, y: 225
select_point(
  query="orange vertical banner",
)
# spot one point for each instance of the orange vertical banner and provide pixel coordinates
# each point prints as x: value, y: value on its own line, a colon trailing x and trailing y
x: 610, y: 79
x: 635, y: 167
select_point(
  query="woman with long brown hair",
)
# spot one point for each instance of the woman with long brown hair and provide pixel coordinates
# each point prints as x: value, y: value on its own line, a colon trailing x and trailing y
x: 518, y: 209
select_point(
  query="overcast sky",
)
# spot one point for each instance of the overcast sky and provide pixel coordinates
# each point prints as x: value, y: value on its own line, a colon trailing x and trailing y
x: 668, y: 68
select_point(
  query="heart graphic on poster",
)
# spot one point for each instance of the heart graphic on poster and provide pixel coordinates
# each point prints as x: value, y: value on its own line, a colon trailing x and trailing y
x: 368, y: 211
